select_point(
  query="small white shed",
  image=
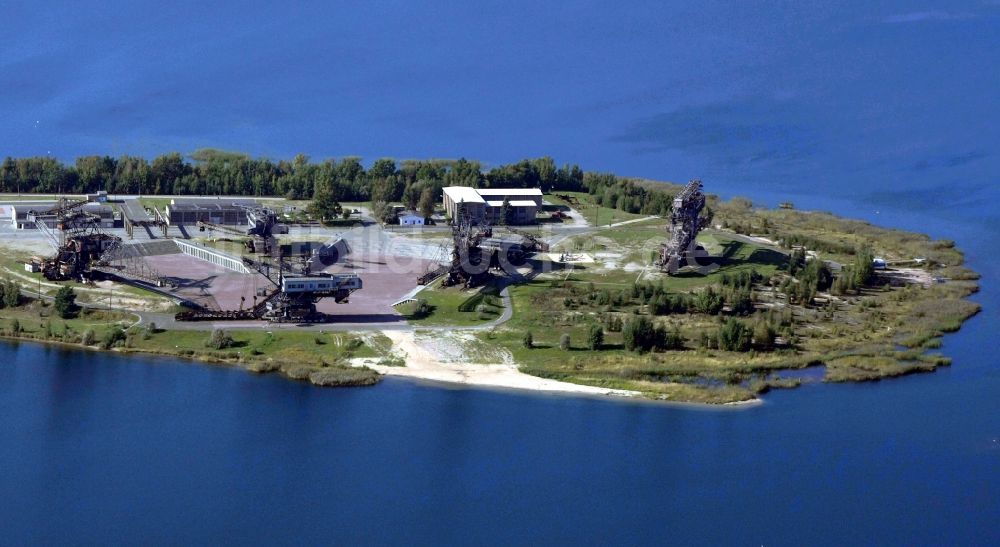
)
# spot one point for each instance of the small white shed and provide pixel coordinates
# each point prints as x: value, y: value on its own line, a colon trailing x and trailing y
x: 410, y: 218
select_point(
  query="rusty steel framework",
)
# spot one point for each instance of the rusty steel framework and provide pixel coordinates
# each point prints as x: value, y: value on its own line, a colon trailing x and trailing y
x: 77, y: 240
x: 84, y: 251
x: 466, y: 254
x: 685, y: 223
x: 478, y: 249
x: 262, y: 224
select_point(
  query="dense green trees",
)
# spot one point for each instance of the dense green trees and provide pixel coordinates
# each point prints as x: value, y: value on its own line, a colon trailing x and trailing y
x: 210, y: 172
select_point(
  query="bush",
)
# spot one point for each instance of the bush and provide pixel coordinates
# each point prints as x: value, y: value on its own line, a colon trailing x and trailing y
x: 564, y: 341
x: 614, y: 323
x: 88, y: 337
x: 11, y: 294
x: 421, y: 309
x: 864, y: 267
x: 763, y: 335
x: 339, y: 375
x: 734, y: 336
x: 595, y: 338
x: 742, y: 302
x: 65, y: 302
x: 639, y: 334
x: 220, y: 340
x: 353, y: 344
x: 708, y: 301
x: 15, y: 326
x: 668, y: 339
x: 528, y: 340
x: 112, y: 337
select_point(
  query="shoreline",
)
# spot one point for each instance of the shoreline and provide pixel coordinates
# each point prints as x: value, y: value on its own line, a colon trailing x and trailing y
x: 498, y: 378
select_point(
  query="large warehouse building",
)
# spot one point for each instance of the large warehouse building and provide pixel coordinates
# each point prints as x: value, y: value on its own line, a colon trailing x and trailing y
x: 487, y: 203
x: 215, y: 211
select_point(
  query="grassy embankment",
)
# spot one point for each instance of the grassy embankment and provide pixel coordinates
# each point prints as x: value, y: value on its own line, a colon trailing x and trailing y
x: 453, y: 306
x: 317, y: 357
x: 879, y: 332
x: 583, y: 203
x: 118, y: 295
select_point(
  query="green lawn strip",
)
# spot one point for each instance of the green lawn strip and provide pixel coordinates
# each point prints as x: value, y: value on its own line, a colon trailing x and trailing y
x: 309, y: 355
x: 455, y: 306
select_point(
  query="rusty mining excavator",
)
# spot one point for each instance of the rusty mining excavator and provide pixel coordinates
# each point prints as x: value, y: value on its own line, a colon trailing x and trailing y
x: 686, y: 221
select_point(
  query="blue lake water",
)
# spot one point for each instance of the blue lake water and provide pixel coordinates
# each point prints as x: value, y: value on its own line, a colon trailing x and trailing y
x: 879, y: 110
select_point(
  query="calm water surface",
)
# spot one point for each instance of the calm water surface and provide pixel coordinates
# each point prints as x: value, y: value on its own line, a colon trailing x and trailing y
x: 874, y: 109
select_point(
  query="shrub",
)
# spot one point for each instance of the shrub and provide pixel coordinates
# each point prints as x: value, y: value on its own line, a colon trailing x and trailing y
x: 708, y: 301
x: 734, y: 336
x: 564, y: 341
x: 339, y: 375
x: 528, y: 340
x: 864, y: 267
x: 614, y: 323
x: 353, y: 344
x: 668, y: 339
x: 763, y: 335
x: 11, y: 294
x: 88, y: 337
x: 15, y: 326
x: 595, y: 338
x: 65, y: 302
x: 112, y: 337
x: 421, y: 309
x: 219, y: 340
x: 742, y: 302
x: 639, y: 334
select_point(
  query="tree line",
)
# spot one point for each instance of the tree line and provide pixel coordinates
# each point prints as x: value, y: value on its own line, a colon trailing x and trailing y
x: 216, y: 172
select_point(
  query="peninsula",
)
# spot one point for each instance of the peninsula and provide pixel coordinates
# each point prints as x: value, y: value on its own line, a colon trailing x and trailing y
x: 525, y: 276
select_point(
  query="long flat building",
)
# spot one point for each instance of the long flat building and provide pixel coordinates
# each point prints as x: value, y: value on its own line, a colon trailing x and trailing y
x: 481, y: 204
x: 19, y: 214
x: 216, y: 211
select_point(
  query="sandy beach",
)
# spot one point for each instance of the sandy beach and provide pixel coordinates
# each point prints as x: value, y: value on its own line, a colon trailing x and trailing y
x: 422, y: 363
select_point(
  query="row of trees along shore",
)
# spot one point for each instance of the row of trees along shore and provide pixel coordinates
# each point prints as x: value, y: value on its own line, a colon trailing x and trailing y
x: 215, y: 172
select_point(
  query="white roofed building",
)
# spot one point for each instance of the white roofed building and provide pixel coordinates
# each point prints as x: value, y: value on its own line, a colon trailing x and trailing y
x: 487, y: 203
x: 411, y: 218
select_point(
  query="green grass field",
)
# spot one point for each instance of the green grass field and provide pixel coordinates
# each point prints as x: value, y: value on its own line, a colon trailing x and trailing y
x: 455, y: 306
x: 584, y: 204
